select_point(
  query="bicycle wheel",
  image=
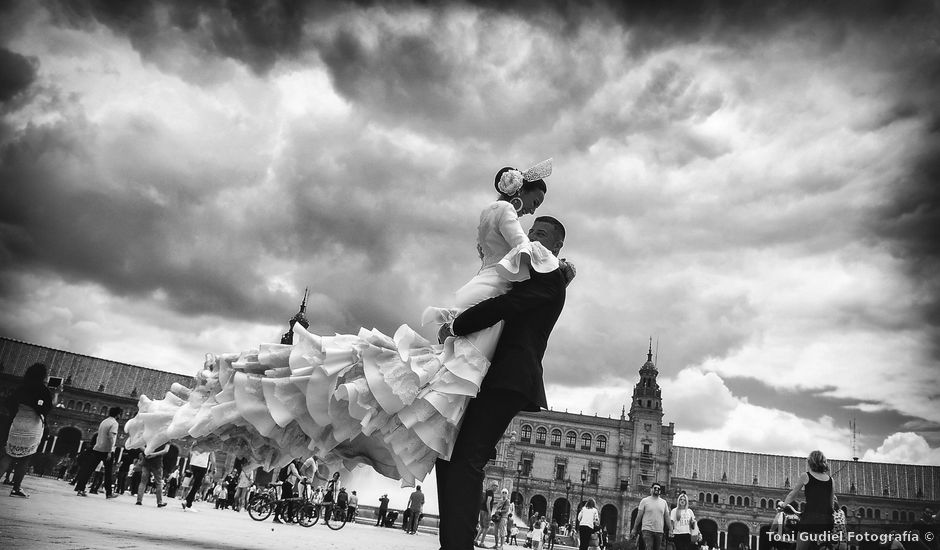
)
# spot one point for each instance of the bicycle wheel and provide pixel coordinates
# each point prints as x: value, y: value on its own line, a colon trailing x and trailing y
x: 260, y: 508
x: 336, y: 520
x: 308, y: 515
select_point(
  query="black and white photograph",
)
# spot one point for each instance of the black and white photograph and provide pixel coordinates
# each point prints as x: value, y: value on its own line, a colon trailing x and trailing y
x: 443, y: 275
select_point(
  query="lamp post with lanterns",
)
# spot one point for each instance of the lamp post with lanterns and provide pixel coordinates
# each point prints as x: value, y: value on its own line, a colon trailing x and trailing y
x: 568, y: 500
x: 583, y: 479
x: 517, y: 489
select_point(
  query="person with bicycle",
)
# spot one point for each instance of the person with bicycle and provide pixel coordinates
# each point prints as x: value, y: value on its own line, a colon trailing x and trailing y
x: 816, y: 518
x: 288, y: 476
x: 329, y: 495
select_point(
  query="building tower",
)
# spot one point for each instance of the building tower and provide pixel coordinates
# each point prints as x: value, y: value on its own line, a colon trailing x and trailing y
x: 299, y: 317
x: 647, y: 396
x: 646, y: 413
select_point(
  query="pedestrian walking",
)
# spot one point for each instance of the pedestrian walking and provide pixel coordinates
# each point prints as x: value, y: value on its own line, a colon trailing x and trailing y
x: 26, y: 408
x: 652, y: 520
x: 137, y: 466
x: 682, y: 520
x: 199, y: 462
x: 241, y: 489
x: 153, y: 465
x: 102, y: 453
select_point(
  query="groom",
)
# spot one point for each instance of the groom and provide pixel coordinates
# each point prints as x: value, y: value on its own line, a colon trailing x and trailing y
x: 512, y: 384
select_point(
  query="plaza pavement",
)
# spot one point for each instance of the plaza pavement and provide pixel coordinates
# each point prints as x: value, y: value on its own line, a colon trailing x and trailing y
x: 55, y: 518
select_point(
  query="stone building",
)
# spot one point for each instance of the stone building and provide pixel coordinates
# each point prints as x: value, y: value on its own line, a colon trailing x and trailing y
x: 84, y: 388
x: 552, y: 461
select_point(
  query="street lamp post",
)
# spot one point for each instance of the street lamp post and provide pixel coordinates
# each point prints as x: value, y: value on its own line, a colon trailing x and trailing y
x: 568, y: 500
x: 583, y: 479
x: 519, y: 474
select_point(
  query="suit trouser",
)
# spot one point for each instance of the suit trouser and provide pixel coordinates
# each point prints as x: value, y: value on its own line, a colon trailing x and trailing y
x: 86, y: 469
x: 460, y: 479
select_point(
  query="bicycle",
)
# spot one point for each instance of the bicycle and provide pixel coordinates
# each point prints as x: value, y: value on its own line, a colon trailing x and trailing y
x: 335, y: 516
x: 296, y: 509
x: 261, y: 504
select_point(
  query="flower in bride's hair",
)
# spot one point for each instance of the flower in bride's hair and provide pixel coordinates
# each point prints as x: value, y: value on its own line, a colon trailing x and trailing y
x: 510, y: 182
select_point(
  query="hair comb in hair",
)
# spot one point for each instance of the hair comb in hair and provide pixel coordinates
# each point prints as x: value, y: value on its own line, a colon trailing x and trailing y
x: 539, y: 171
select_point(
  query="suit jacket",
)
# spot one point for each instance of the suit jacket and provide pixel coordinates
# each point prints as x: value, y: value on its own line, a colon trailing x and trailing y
x: 530, y: 310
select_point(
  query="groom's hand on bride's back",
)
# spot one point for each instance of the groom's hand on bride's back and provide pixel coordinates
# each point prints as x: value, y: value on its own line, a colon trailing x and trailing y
x: 567, y: 270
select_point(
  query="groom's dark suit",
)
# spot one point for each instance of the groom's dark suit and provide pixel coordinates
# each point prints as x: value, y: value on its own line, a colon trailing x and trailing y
x: 513, y: 383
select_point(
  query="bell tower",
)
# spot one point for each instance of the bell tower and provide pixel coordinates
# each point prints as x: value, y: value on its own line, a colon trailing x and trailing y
x: 650, y: 445
x: 299, y: 317
x: 647, y: 397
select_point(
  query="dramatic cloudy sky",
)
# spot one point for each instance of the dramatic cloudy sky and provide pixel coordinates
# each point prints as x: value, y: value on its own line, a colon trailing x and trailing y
x: 753, y: 184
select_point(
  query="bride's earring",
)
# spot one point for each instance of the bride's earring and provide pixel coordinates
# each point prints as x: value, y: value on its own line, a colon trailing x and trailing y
x: 516, y: 203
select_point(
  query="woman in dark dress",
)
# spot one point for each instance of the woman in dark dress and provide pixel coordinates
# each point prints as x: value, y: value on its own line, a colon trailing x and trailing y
x: 28, y: 406
x: 816, y: 484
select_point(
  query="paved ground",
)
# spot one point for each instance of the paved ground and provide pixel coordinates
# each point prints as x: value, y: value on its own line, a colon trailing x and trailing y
x: 55, y: 518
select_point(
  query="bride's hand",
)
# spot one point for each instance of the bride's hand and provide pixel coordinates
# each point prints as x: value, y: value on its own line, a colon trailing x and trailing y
x: 567, y: 270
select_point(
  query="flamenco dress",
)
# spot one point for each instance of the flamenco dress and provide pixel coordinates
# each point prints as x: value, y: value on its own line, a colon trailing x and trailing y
x: 394, y: 403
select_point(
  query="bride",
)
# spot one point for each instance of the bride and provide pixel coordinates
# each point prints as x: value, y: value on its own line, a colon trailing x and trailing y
x: 394, y: 403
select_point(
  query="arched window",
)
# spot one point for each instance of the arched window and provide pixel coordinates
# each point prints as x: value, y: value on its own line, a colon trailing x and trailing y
x: 601, y: 444
x: 877, y: 513
x: 71, y: 404
x: 747, y: 501
x: 894, y: 515
x: 869, y: 513
x: 585, y: 442
x: 78, y: 405
x: 701, y: 497
x: 540, y: 435
x: 731, y: 500
x: 104, y: 410
x: 763, y: 503
x: 740, y: 501
x: 708, y: 497
x: 86, y: 408
x: 556, y: 438
x: 526, y: 433
x: 571, y: 439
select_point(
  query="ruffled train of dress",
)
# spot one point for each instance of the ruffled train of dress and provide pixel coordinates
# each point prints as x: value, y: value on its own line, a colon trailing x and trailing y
x: 393, y: 403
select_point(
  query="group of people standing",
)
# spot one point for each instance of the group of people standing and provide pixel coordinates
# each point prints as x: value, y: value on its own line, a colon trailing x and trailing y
x: 496, y: 512
x: 655, y: 522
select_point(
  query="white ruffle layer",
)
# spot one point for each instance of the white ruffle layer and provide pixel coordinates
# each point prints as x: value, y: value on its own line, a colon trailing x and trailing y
x: 393, y: 403
x: 516, y: 264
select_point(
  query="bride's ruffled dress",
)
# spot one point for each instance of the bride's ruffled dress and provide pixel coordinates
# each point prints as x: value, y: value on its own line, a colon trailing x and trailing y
x: 394, y: 402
